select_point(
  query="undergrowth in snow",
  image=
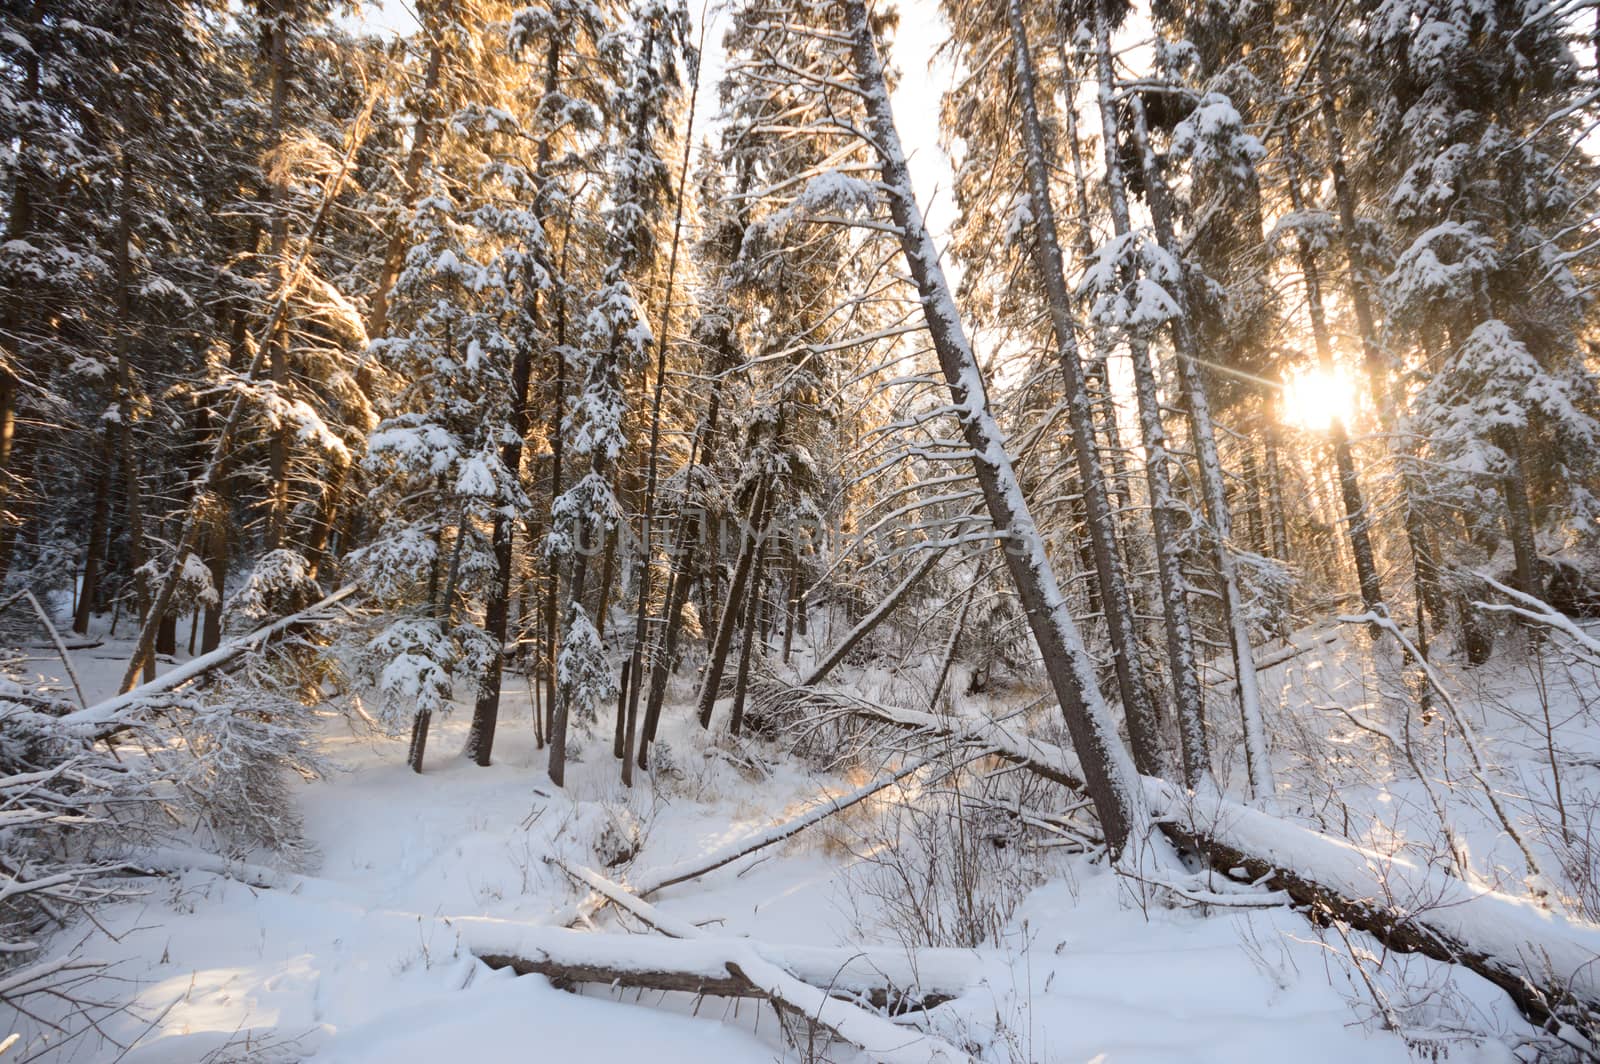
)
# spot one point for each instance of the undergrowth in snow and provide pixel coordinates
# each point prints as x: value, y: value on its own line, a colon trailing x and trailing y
x: 364, y: 953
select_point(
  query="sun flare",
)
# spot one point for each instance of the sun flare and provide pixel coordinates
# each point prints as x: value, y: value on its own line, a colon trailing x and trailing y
x: 1314, y: 398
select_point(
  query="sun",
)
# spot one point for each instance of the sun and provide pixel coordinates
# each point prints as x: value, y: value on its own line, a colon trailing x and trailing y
x: 1314, y: 398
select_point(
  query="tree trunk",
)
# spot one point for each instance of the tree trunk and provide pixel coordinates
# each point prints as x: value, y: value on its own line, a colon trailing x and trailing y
x: 752, y: 635
x: 717, y: 659
x: 1387, y: 389
x: 692, y: 527
x: 1143, y: 726
x: 1355, y: 510
x: 277, y: 252
x: 127, y: 405
x: 645, y: 567
x: 876, y: 616
x: 1112, y: 780
x: 561, y: 710
x: 1519, y: 517
x: 486, y: 710
x: 1213, y: 484
x: 94, y: 555
x: 552, y: 602
x: 1165, y: 508
x: 1277, y: 527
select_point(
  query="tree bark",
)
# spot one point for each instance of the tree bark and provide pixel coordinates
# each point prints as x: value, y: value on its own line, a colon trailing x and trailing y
x: 1213, y: 485
x: 1143, y: 725
x: 1112, y: 778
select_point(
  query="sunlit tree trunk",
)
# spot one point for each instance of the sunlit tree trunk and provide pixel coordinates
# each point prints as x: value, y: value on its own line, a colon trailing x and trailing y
x: 1357, y: 518
x: 1110, y: 776
x: 1387, y: 391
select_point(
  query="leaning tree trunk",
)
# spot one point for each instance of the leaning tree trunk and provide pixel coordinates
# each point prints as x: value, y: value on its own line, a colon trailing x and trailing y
x: 1143, y: 725
x: 1111, y: 778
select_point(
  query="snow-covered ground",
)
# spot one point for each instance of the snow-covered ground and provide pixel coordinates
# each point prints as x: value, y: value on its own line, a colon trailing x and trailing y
x: 359, y: 956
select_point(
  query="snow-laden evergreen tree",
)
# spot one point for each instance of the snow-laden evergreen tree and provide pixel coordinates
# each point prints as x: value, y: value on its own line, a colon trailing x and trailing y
x: 1478, y: 129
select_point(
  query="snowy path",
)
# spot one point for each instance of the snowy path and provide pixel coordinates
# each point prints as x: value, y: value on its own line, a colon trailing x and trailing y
x: 361, y: 961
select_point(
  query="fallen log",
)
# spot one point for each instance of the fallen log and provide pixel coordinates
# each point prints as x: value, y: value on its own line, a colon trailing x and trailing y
x: 787, y: 976
x: 1548, y: 964
x: 650, y: 882
x: 889, y: 980
x: 94, y: 719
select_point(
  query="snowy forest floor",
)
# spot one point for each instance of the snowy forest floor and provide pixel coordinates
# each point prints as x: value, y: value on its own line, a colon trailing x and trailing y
x: 357, y: 957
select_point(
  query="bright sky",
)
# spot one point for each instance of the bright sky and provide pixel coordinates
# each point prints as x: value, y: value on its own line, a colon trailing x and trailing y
x: 916, y: 99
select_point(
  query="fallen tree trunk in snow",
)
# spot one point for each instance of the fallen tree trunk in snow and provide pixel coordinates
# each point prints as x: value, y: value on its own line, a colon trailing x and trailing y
x: 1548, y: 964
x: 693, y: 868
x: 110, y: 713
x: 789, y: 976
x: 896, y: 980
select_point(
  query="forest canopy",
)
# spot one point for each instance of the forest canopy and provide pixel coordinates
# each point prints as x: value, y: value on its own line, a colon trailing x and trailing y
x: 600, y: 358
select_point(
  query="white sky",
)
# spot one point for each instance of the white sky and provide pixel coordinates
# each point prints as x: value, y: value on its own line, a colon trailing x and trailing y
x: 916, y: 98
